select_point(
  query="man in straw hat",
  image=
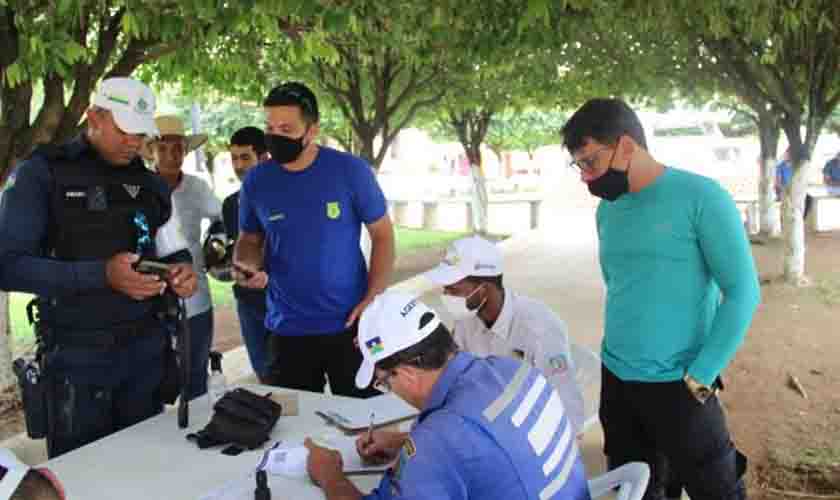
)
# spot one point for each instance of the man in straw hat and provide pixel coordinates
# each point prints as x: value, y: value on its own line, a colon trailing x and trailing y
x: 194, y: 201
x: 74, y: 221
x: 488, y: 427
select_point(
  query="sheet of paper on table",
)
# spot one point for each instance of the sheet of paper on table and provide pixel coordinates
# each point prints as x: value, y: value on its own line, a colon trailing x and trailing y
x: 243, y: 488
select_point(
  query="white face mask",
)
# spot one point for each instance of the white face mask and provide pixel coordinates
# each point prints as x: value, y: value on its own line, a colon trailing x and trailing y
x: 457, y: 306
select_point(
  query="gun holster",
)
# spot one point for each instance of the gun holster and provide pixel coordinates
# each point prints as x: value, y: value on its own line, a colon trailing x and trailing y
x: 32, y: 376
x: 241, y: 418
x: 34, y: 391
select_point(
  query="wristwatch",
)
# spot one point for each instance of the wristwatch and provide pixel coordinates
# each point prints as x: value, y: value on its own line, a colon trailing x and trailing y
x: 700, y: 391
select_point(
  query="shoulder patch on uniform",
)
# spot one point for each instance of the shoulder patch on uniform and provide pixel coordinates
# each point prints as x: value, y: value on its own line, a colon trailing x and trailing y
x: 10, y: 182
x: 557, y: 364
x: 409, y: 447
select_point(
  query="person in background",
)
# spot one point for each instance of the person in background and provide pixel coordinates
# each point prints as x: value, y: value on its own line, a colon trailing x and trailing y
x: 784, y: 174
x: 492, y: 319
x: 247, y: 149
x: 194, y: 201
x: 831, y: 175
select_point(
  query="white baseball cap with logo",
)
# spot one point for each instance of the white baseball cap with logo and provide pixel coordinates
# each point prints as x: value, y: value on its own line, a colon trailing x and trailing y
x: 131, y: 102
x: 390, y: 324
x: 473, y: 256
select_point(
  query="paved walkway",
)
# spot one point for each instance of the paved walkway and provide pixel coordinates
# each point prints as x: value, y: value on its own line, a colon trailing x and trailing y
x: 556, y: 263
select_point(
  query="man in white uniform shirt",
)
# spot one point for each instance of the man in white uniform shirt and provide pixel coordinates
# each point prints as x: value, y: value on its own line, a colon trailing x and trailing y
x: 493, y: 320
x: 194, y: 201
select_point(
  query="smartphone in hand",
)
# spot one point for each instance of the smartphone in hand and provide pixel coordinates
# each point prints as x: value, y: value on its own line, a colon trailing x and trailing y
x: 144, y: 266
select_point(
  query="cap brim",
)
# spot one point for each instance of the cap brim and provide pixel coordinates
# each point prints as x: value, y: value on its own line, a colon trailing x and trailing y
x: 365, y: 374
x: 445, y: 275
x: 195, y: 141
x: 132, y: 123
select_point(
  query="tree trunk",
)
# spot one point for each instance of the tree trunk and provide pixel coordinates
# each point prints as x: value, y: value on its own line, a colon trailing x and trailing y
x: 769, y: 220
x: 471, y: 129
x: 366, y: 148
x: 7, y: 378
x: 480, y: 201
x: 793, y: 224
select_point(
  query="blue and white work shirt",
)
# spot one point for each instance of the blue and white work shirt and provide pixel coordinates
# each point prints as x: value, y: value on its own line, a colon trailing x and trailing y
x: 493, y: 428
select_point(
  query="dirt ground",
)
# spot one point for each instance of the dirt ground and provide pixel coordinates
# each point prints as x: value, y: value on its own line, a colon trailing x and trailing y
x: 793, y: 442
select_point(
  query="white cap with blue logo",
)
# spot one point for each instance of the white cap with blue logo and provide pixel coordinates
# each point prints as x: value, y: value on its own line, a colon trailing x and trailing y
x: 390, y: 324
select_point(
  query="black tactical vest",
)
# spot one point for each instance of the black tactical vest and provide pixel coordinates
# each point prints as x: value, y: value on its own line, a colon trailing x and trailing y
x: 94, y: 205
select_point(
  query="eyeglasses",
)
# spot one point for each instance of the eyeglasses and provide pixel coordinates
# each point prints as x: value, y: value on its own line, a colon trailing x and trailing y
x: 383, y: 384
x: 587, y: 164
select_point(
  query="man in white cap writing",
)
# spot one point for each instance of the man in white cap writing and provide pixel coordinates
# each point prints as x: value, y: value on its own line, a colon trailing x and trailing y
x: 75, y: 220
x: 194, y: 202
x: 492, y: 319
x: 489, y: 428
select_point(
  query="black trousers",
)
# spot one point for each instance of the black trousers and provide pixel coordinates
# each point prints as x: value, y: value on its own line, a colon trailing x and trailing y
x: 663, y: 425
x: 98, y: 391
x: 304, y: 362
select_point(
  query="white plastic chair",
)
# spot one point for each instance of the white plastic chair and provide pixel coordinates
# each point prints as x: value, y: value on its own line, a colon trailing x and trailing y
x: 631, y: 479
x: 588, y: 376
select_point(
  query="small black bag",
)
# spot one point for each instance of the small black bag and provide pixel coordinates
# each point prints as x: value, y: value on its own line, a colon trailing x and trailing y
x: 241, y: 418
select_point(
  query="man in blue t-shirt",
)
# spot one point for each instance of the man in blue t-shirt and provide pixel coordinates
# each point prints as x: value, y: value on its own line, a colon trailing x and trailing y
x: 682, y: 289
x: 300, y: 219
x: 831, y: 175
x: 784, y: 174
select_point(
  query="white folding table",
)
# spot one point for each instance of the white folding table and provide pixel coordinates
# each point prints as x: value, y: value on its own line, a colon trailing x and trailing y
x: 154, y: 460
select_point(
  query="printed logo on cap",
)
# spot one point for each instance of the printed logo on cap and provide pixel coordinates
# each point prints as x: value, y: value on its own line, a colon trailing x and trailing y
x: 142, y: 106
x: 375, y: 346
x: 451, y: 257
x: 118, y: 100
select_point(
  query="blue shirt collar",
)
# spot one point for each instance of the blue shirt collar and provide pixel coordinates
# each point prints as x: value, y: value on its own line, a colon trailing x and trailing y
x: 451, y: 372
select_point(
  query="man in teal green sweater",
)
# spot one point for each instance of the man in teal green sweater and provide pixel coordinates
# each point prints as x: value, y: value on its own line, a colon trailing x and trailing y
x: 681, y: 292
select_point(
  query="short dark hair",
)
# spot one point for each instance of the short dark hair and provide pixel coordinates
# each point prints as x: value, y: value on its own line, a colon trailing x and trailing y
x: 295, y: 94
x: 604, y: 120
x: 490, y: 280
x: 249, y: 136
x: 431, y: 353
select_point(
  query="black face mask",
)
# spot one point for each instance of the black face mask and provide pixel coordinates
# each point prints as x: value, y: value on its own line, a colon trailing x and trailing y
x: 611, y: 185
x: 284, y: 149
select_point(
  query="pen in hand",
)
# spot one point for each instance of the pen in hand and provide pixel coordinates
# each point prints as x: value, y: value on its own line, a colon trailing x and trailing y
x: 370, y: 430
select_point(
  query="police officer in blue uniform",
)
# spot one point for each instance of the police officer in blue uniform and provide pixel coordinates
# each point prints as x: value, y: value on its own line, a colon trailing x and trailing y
x: 74, y: 221
x: 490, y: 428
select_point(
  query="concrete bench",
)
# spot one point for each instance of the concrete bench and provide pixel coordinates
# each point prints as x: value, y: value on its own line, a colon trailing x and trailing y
x: 456, y: 214
x: 751, y: 213
x: 825, y: 213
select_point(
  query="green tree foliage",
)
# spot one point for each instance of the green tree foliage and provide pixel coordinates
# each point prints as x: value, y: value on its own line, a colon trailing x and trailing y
x: 65, y: 47
x: 780, y: 58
